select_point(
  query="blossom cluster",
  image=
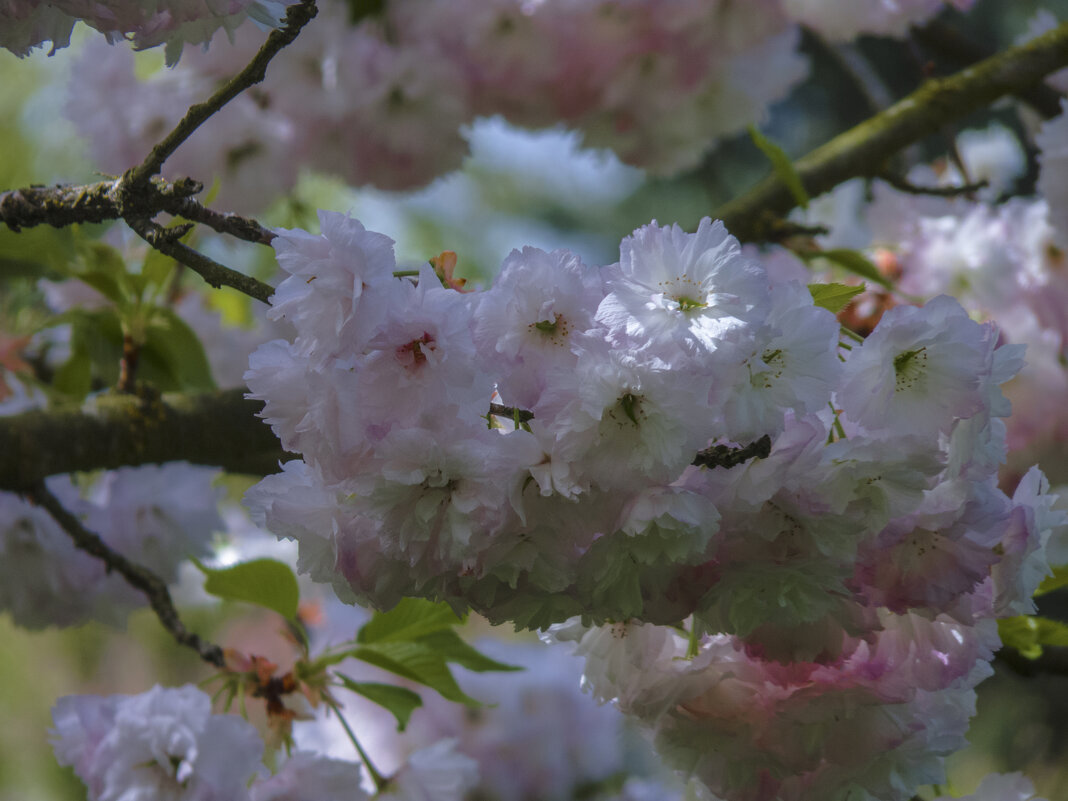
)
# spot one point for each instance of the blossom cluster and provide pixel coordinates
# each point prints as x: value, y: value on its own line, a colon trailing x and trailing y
x: 848, y: 581
x: 154, y: 515
x: 656, y: 82
x: 1002, y: 259
x: 167, y: 744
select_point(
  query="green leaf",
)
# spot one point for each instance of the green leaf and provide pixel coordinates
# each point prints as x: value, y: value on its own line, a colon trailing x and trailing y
x: 411, y: 619
x: 834, y: 297
x: 1028, y: 634
x: 851, y: 261
x: 172, y: 350
x: 416, y: 662
x: 104, y: 269
x: 156, y: 269
x: 452, y: 648
x: 98, y: 334
x: 1055, y: 582
x: 264, y: 582
x: 75, y: 376
x: 781, y: 164
x: 399, y: 700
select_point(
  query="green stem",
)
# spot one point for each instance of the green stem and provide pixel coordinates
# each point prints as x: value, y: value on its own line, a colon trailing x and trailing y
x: 379, y: 780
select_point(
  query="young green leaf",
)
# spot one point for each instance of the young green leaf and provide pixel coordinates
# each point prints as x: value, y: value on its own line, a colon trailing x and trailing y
x: 74, y: 377
x: 173, y: 350
x: 1054, y: 582
x: 264, y: 582
x: 417, y: 662
x: 398, y: 700
x: 781, y: 164
x: 411, y: 619
x: 834, y: 297
x: 453, y: 649
x: 851, y: 261
x: 1028, y: 634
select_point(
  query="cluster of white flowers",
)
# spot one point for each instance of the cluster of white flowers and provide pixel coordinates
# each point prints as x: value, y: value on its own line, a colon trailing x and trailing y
x: 849, y: 580
x: 166, y: 745
x: 1004, y: 260
x: 657, y: 82
x: 154, y: 515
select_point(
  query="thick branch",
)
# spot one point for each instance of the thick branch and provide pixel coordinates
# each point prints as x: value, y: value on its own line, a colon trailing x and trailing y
x: 138, y: 577
x: 219, y: 429
x: 66, y: 204
x: 297, y: 16
x: 865, y: 149
x: 62, y: 205
x: 946, y: 41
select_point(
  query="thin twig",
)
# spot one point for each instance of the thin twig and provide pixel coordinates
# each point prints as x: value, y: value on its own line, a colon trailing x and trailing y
x: 137, y: 576
x: 297, y: 16
x: 235, y: 225
x: 903, y: 185
x: 165, y: 240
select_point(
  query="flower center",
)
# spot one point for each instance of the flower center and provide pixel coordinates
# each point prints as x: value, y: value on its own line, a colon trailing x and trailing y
x: 909, y: 367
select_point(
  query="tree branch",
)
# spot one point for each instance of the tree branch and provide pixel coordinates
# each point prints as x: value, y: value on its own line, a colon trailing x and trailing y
x: 219, y: 429
x: 138, y: 577
x: 864, y: 150
x: 945, y: 41
x: 903, y: 185
x: 297, y: 16
x: 165, y: 240
x: 64, y: 205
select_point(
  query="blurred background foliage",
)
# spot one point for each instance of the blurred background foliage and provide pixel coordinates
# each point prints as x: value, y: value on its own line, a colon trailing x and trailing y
x: 517, y: 188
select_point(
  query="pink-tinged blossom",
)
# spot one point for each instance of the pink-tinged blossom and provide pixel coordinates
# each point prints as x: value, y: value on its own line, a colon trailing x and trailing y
x: 524, y: 324
x: 920, y: 371
x: 336, y: 283
x: 684, y: 297
x: 163, y: 744
x: 309, y: 777
x: 1023, y: 563
x: 632, y: 420
x: 658, y: 88
x: 794, y: 366
x: 941, y: 552
x: 873, y: 725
